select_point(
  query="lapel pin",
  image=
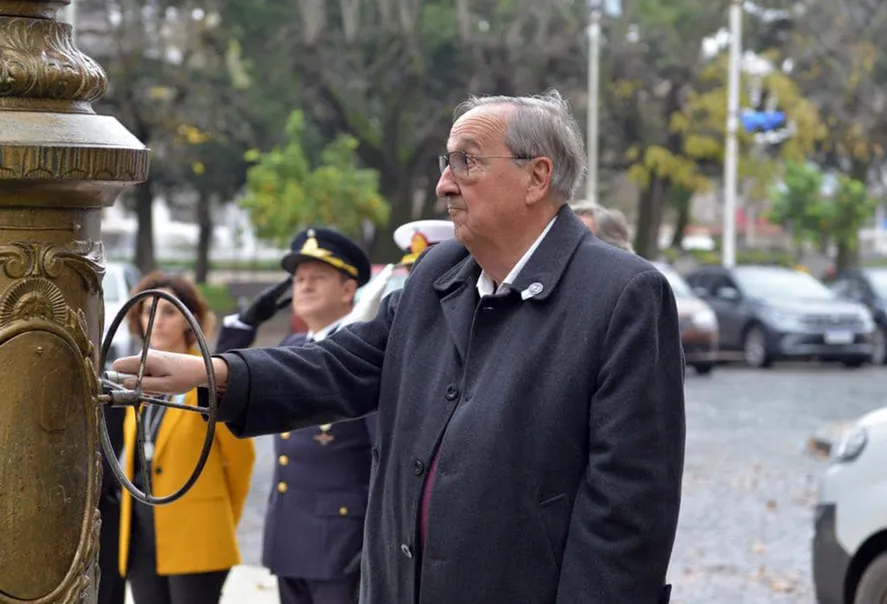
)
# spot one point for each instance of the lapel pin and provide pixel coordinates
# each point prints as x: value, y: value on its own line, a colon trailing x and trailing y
x: 533, y: 290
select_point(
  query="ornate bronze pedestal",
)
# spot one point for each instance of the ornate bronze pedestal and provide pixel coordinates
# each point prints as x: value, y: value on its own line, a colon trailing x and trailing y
x: 60, y: 163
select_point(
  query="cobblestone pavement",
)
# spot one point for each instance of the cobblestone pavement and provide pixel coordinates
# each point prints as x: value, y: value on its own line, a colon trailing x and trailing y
x: 749, y: 483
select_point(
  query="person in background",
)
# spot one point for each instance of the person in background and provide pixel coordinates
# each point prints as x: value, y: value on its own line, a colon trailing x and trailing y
x: 416, y: 237
x: 180, y: 553
x: 612, y: 227
x: 587, y: 212
x: 314, y: 523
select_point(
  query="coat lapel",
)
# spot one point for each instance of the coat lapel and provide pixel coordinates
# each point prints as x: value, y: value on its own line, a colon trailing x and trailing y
x: 549, y: 262
x: 458, y: 290
x: 170, y: 420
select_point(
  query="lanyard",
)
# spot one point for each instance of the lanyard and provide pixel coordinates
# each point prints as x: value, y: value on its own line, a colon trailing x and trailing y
x: 153, y: 416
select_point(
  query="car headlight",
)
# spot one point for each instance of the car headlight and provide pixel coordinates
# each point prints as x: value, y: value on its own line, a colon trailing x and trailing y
x: 851, y: 446
x: 868, y: 323
x: 705, y: 319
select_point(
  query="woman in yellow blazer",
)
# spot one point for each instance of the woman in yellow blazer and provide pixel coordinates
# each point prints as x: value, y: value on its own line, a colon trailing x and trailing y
x: 180, y: 553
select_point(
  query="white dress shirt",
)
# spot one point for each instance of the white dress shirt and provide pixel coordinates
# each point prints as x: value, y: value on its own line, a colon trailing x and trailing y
x: 485, y: 286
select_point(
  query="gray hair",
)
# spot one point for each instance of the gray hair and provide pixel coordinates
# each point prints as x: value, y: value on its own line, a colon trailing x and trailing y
x: 610, y: 226
x: 541, y: 126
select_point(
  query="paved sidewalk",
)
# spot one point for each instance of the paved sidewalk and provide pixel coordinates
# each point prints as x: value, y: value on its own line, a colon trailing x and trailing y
x: 245, y: 585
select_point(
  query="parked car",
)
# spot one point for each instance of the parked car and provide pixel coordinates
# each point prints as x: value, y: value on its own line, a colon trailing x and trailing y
x: 699, y: 325
x: 120, y: 279
x: 850, y: 522
x: 770, y: 313
x: 868, y: 286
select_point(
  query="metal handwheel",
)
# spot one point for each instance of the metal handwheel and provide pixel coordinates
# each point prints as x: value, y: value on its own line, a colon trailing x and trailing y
x: 115, y: 395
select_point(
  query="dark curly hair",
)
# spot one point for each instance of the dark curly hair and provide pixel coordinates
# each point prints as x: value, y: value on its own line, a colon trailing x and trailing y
x: 183, y: 289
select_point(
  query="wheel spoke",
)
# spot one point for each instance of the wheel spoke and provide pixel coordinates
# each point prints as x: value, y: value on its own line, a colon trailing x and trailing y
x: 147, y: 344
x: 164, y: 403
x: 140, y: 449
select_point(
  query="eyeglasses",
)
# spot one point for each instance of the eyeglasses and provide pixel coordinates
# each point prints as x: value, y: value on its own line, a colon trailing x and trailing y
x: 459, y: 161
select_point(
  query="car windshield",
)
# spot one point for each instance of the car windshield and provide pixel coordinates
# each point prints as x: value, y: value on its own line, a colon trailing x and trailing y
x: 680, y: 287
x: 780, y: 283
x: 878, y: 279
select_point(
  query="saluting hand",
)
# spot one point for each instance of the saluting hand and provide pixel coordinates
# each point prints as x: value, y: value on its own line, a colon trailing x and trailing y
x: 266, y: 304
x: 170, y: 373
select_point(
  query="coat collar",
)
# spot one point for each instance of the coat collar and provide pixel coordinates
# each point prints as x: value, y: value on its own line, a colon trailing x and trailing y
x: 543, y: 270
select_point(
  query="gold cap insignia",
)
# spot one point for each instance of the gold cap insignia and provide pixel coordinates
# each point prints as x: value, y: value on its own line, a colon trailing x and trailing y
x: 418, y: 243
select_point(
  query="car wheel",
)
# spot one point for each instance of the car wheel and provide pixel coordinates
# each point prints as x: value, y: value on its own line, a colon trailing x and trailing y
x: 754, y: 348
x: 703, y: 368
x: 872, y: 588
x: 879, y: 347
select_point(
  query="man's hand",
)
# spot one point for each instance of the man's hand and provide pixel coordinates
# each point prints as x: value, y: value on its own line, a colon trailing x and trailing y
x: 170, y: 373
x: 266, y: 304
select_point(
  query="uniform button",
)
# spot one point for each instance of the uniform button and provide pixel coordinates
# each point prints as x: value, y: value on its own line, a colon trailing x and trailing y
x: 418, y: 467
x: 405, y: 549
x: 343, y: 511
x: 281, y: 487
x: 158, y: 470
x: 452, y: 392
x: 285, y: 435
x: 283, y: 460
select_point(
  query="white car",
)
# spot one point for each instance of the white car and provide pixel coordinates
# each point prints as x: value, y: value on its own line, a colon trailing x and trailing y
x: 850, y: 525
x: 120, y: 279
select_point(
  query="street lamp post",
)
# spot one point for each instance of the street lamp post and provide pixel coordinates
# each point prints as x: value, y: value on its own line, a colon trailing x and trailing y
x: 594, y: 47
x: 731, y: 159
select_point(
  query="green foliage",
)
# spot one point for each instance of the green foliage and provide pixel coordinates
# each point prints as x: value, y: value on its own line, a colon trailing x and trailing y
x: 851, y: 208
x: 286, y: 193
x: 817, y: 218
x: 798, y: 203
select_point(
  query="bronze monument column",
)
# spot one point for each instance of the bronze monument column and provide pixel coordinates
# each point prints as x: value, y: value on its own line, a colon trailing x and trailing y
x: 60, y: 163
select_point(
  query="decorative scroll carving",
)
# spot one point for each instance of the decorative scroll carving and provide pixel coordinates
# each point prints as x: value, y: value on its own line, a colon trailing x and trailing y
x: 27, y: 259
x: 38, y: 60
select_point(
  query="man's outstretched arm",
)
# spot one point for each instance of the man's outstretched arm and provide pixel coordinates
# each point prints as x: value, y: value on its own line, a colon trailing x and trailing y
x: 272, y: 390
x: 624, y: 519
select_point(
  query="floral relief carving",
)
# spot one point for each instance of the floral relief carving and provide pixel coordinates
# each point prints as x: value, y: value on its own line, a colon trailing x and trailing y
x: 38, y: 60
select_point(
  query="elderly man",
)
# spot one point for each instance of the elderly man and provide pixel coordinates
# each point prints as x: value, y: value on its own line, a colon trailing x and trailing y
x: 529, y: 386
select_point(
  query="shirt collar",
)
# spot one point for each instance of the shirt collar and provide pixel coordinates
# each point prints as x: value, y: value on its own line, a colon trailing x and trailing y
x: 485, y: 285
x: 324, y: 332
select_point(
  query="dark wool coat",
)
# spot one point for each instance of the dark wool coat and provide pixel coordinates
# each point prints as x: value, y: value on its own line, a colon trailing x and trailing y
x: 560, y: 418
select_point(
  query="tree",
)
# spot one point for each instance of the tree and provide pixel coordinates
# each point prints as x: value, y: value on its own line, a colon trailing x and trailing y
x: 690, y: 159
x: 286, y: 193
x: 851, y: 208
x: 389, y: 73
x: 799, y: 204
x: 171, y: 67
x: 841, y: 66
x: 815, y: 215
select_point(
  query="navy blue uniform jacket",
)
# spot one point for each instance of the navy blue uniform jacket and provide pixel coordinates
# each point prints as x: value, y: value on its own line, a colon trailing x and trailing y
x: 318, y: 500
x: 560, y: 419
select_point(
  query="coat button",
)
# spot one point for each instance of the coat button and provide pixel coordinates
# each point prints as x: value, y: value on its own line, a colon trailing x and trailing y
x: 281, y: 487
x: 158, y: 470
x: 285, y: 436
x: 452, y: 392
x: 343, y: 511
x: 405, y: 549
x: 418, y: 467
x: 283, y: 460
